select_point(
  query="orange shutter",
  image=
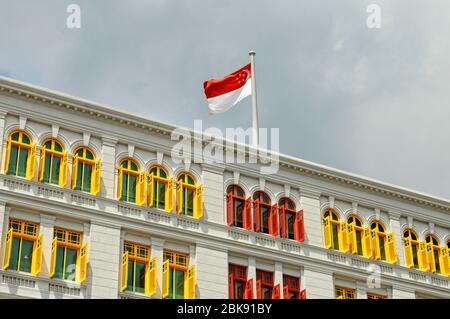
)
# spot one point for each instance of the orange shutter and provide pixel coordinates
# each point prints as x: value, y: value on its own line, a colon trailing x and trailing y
x: 256, y: 215
x: 299, y: 226
x: 231, y: 286
x: 248, y: 214
x: 230, y: 209
x: 273, y: 220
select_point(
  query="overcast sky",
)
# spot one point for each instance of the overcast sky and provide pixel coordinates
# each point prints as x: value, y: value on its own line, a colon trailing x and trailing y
x: 374, y: 102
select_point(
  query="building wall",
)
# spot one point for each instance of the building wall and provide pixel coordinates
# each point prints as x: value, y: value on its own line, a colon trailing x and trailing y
x: 210, y: 242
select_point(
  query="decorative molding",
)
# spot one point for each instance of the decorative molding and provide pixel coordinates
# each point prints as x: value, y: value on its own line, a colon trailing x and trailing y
x: 236, y: 176
x: 431, y: 227
x: 55, y: 130
x: 262, y: 184
x: 331, y: 202
x: 354, y: 208
x: 410, y: 222
x: 287, y: 190
x: 86, y: 138
x: 22, y: 122
x: 131, y: 149
x: 377, y: 214
x: 393, y: 215
x: 159, y: 157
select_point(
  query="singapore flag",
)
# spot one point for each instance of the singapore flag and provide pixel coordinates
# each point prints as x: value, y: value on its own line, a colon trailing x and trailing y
x: 224, y: 93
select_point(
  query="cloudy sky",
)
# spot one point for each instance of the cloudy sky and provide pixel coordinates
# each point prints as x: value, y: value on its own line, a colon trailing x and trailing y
x: 374, y: 102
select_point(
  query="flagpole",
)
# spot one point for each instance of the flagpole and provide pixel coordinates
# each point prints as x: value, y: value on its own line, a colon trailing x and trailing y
x: 254, y: 104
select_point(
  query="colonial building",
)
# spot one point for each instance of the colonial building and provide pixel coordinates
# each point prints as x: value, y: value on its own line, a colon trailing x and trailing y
x: 93, y: 205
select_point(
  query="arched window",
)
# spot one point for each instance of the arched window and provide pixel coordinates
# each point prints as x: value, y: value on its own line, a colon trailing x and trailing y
x: 53, y: 164
x: 335, y: 231
x: 379, y: 240
x: 291, y: 221
x: 160, y: 189
x: 356, y: 235
x: 131, y: 186
x: 433, y: 249
x: 20, y: 155
x: 189, y: 196
x: 85, y: 171
x: 238, y: 208
x: 411, y: 243
x: 265, y: 216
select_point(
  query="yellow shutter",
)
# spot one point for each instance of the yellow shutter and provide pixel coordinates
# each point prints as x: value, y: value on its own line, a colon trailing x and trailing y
x: 119, y: 184
x: 9, y: 240
x: 422, y: 257
x: 150, y: 186
x: 198, y: 202
x: 343, y: 237
x: 179, y: 197
x: 63, y: 170
x: 36, y: 259
x: 8, y: 154
x: 53, y: 261
x: 82, y: 264
x: 353, y: 243
x: 124, y: 281
x: 165, y: 286
x: 189, y: 283
x: 150, y: 278
x: 169, y: 196
x: 430, y: 255
x: 74, y: 171
x: 95, y: 178
x: 375, y: 244
x: 42, y: 164
x: 31, y: 163
x: 367, y: 243
x: 408, y: 252
x: 444, y: 261
x: 391, y: 249
x: 140, y: 188
x: 327, y: 232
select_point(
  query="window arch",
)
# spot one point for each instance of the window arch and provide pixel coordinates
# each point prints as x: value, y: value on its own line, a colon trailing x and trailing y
x: 53, y: 163
x: 433, y: 251
x: 378, y: 234
x: 238, y: 207
x: 131, y: 186
x: 189, y: 196
x: 291, y: 221
x: 265, y: 216
x: 20, y: 157
x: 85, y: 171
x: 334, y: 231
x: 356, y: 235
x: 411, y: 244
x: 160, y: 188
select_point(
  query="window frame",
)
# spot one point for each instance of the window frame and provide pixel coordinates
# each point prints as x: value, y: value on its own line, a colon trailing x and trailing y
x: 128, y: 171
x: 19, y: 144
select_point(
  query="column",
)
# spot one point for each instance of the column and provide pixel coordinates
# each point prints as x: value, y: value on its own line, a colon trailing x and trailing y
x: 310, y: 203
x: 4, y: 222
x: 251, y: 272
x: 278, y: 277
x: 104, y: 261
x: 2, y: 137
x: 361, y: 290
x: 157, y: 251
x: 213, y: 193
x: 318, y: 282
x: 212, y: 272
x: 108, y: 171
x: 394, y: 220
x: 47, y: 226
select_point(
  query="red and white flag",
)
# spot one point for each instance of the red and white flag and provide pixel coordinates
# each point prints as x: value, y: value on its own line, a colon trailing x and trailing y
x: 224, y: 93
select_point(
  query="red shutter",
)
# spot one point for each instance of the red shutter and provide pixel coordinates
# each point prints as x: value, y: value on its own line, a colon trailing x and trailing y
x: 299, y: 226
x: 276, y: 292
x: 231, y: 286
x: 247, y: 223
x: 256, y: 215
x: 303, y: 294
x: 283, y: 222
x: 273, y: 220
x: 258, y: 289
x: 286, y: 292
x: 248, y: 294
x: 230, y: 212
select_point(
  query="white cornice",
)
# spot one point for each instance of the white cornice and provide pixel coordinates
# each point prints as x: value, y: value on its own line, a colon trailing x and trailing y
x: 106, y: 113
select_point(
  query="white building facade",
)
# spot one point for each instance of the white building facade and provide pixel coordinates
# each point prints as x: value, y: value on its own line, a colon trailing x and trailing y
x: 92, y: 205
